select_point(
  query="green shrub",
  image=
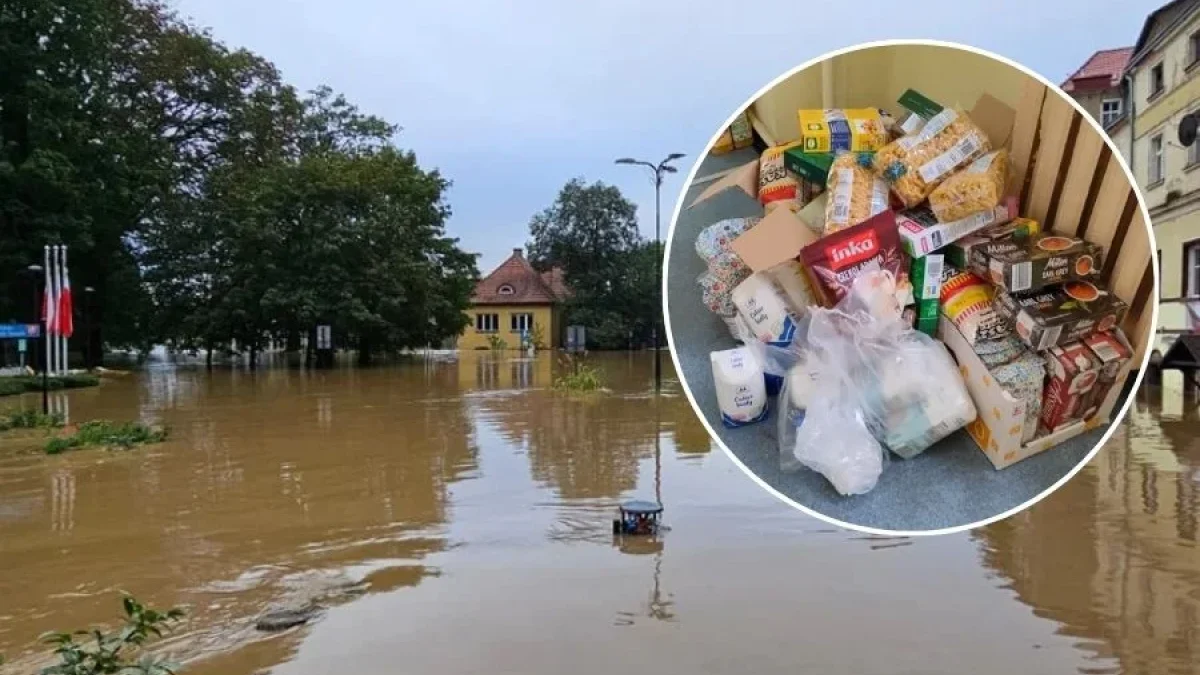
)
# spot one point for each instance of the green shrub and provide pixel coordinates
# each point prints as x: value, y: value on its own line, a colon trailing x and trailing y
x: 10, y: 386
x: 106, y: 434
x: 496, y: 343
x: 29, y: 419
x: 102, y: 653
x: 581, y: 377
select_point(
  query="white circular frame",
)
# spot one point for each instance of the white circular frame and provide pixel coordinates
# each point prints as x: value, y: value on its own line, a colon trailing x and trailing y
x: 1116, y: 420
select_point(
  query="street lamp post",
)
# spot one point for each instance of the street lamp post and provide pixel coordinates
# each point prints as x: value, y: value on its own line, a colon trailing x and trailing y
x: 659, y: 169
x: 39, y: 293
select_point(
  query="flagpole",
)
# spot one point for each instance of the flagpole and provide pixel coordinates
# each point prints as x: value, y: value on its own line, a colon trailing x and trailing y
x: 56, y: 260
x: 47, y: 303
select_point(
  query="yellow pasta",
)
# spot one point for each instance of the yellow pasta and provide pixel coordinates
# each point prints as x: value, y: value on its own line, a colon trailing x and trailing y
x: 979, y: 187
x: 914, y: 165
x: 855, y: 192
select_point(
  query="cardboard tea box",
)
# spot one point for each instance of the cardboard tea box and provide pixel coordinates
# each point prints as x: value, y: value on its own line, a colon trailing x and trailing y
x: 958, y: 253
x: 1057, y: 316
x: 1072, y: 374
x: 1035, y: 263
x: 1111, y: 349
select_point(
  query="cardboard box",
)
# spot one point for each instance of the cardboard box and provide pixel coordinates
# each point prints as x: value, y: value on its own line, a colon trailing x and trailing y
x: 958, y: 253
x: 921, y: 233
x: 997, y: 429
x: 776, y: 239
x: 1037, y: 262
x: 835, y: 130
x: 927, y: 276
x: 812, y: 167
x: 1071, y: 372
x: 744, y: 178
x: 1060, y: 315
x: 1113, y: 351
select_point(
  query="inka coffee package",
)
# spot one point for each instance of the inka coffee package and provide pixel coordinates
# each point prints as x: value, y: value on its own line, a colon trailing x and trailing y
x: 1037, y: 262
x: 1056, y: 316
x: 836, y: 260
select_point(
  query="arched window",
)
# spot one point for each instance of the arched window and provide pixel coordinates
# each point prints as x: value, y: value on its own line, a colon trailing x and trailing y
x: 506, y: 290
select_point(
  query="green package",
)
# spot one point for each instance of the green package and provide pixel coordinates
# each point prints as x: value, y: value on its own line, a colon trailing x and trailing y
x: 926, y: 275
x: 927, y: 316
x: 812, y: 167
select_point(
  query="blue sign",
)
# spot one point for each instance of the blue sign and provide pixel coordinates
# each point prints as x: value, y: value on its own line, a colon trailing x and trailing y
x: 19, y: 331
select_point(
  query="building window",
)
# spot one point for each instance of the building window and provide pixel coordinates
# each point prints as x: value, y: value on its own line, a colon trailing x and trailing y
x: 487, y: 323
x: 1110, y: 111
x: 1191, y: 269
x: 1193, y: 156
x: 1157, y: 83
x: 1155, y: 165
x: 1193, y: 49
x: 522, y: 323
x: 506, y: 290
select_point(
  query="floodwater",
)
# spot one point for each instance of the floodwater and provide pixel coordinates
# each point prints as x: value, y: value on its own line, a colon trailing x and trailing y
x: 455, y: 517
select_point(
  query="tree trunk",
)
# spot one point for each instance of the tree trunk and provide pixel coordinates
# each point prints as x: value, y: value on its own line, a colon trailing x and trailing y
x: 254, y: 355
x: 208, y: 356
x: 293, y: 340
x: 364, y: 351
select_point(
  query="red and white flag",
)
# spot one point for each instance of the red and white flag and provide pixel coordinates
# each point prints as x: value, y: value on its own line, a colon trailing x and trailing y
x: 66, y: 315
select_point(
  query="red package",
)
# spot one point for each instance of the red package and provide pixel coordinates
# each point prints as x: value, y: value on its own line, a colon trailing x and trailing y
x: 1112, y: 353
x: 834, y: 261
x: 1073, y: 370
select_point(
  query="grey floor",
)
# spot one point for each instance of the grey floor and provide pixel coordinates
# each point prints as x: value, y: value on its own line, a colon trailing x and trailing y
x: 950, y: 484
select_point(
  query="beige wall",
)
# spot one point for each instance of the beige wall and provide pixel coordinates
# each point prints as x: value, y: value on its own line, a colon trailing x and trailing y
x: 876, y: 77
x: 544, y: 317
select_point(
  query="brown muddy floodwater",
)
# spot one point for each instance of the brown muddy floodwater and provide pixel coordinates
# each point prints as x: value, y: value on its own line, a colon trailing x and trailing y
x: 473, y: 504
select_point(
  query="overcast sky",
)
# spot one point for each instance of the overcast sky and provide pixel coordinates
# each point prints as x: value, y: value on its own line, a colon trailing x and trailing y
x: 511, y: 99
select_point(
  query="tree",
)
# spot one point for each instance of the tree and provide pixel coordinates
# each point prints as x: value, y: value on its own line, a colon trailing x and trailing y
x: 591, y: 233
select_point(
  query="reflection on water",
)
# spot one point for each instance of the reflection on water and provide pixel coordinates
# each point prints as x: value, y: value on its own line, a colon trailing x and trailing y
x: 1113, y: 556
x: 475, y: 503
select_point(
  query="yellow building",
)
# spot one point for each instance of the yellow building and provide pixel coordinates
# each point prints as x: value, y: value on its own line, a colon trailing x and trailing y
x: 1157, y: 87
x: 513, y: 302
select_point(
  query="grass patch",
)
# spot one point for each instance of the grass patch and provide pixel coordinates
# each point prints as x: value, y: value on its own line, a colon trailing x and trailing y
x: 11, y: 386
x: 29, y: 419
x: 103, y: 433
x: 580, y: 377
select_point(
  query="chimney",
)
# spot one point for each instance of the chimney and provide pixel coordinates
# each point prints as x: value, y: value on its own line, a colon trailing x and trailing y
x: 517, y: 252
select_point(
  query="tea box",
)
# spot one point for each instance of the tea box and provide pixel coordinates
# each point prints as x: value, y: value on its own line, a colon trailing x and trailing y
x: 1037, y: 262
x: 1056, y: 316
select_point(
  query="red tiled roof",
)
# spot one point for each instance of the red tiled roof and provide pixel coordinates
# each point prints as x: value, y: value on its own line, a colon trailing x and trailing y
x: 528, y: 286
x: 1102, y: 70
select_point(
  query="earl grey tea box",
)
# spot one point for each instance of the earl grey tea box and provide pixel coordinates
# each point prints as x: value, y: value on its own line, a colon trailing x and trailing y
x: 1056, y: 316
x: 1034, y: 263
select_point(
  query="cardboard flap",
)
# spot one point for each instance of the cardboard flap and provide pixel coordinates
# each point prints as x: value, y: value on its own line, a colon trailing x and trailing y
x: 744, y: 177
x: 995, y: 118
x: 776, y: 239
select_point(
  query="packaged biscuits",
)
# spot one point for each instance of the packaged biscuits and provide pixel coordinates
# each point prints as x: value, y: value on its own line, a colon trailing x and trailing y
x: 977, y: 188
x: 916, y: 164
x: 967, y: 302
x: 775, y: 182
x: 855, y: 192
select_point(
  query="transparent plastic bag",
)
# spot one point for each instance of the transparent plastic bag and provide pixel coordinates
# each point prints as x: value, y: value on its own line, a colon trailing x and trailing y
x: 851, y: 389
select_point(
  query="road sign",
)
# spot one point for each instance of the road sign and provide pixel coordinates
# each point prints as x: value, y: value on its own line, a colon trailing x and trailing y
x: 324, y: 337
x: 21, y: 345
x: 19, y: 331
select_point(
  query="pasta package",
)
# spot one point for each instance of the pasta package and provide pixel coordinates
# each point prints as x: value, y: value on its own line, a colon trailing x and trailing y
x: 849, y: 130
x: 855, y: 192
x: 916, y: 164
x: 977, y: 188
x: 775, y: 182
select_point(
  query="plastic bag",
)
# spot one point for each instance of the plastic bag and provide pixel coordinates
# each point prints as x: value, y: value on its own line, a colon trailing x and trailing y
x: 975, y: 189
x: 914, y: 165
x: 850, y: 388
x: 855, y: 192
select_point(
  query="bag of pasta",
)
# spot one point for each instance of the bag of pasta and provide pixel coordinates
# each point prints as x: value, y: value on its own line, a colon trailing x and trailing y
x: 977, y: 188
x: 914, y: 165
x: 855, y: 192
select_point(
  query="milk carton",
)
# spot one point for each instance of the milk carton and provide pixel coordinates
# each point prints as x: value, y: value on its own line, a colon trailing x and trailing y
x: 740, y: 387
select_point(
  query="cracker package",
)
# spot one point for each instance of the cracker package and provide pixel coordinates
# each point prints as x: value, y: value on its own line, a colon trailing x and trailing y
x: 1056, y: 316
x: 849, y: 130
x: 775, y: 182
x: 967, y: 302
x: 855, y: 192
x: 977, y: 188
x: 834, y: 261
x: 916, y: 164
x: 1035, y: 263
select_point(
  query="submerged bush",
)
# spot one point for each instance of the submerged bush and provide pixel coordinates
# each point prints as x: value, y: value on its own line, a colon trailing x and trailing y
x: 117, y: 652
x: 30, y: 419
x: 581, y: 377
x: 11, y: 386
x: 107, y: 434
